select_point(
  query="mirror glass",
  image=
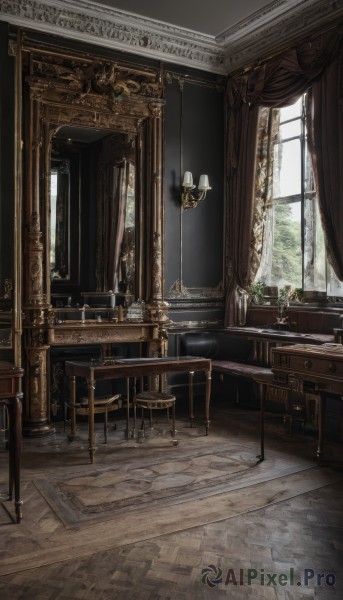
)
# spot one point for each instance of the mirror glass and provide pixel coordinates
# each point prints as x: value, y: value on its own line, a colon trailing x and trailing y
x: 60, y: 219
x: 6, y: 275
x: 93, y: 210
x: 6, y: 314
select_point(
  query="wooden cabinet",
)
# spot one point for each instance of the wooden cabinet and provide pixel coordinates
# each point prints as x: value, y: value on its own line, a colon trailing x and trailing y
x: 315, y: 370
x: 11, y: 396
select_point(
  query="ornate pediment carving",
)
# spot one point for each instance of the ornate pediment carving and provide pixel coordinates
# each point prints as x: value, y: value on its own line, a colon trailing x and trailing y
x: 101, y: 78
x: 98, y: 85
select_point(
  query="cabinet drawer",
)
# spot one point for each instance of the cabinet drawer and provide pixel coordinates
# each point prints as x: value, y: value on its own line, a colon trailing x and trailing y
x: 320, y: 366
x: 7, y: 386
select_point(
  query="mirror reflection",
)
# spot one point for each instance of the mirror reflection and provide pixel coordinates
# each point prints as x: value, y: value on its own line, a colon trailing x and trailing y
x: 60, y: 222
x: 92, y: 210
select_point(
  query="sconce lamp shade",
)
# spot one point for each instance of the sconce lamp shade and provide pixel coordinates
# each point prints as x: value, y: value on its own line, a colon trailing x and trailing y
x: 187, y: 179
x: 204, y: 183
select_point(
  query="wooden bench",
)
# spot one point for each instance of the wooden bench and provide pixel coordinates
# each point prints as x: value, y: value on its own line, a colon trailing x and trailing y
x: 232, y: 355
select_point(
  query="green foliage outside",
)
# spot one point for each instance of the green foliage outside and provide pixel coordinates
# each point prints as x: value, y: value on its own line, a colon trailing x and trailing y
x: 287, y: 257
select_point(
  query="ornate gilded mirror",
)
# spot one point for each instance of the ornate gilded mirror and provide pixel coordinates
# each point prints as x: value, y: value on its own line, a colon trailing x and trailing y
x: 118, y: 231
x: 93, y: 177
x: 103, y: 121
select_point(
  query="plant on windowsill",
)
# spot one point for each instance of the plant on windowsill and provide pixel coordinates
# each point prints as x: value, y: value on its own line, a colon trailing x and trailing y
x: 296, y: 295
x: 282, y: 303
x: 256, y: 291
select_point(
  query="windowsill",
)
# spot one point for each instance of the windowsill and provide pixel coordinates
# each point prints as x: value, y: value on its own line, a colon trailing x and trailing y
x: 303, y: 318
x: 314, y: 305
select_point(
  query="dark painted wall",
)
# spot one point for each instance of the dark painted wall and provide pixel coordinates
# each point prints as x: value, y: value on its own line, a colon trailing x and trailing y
x: 7, y: 174
x: 194, y: 140
x: 6, y: 159
x: 194, y: 128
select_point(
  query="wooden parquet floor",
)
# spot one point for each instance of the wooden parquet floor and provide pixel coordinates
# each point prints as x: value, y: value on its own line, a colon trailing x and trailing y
x: 286, y: 528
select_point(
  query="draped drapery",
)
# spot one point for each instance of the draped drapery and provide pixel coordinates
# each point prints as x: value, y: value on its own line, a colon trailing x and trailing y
x: 116, y: 214
x: 242, y: 131
x: 112, y: 197
x: 279, y: 82
x: 325, y: 131
x: 62, y: 266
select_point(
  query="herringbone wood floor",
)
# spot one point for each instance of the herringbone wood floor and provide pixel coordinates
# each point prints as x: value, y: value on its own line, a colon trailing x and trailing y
x: 302, y: 532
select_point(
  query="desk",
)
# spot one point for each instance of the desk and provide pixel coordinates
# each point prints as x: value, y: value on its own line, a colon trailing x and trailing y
x: 265, y: 339
x: 313, y: 369
x: 136, y: 367
x: 11, y: 396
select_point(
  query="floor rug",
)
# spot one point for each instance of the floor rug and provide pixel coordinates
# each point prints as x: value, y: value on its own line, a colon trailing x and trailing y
x: 135, y: 492
x: 165, y: 478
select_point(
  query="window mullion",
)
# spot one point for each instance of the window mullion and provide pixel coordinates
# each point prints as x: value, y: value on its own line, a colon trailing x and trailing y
x: 302, y: 191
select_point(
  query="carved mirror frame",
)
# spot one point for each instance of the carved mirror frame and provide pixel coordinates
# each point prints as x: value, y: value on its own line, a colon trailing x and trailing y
x: 74, y: 89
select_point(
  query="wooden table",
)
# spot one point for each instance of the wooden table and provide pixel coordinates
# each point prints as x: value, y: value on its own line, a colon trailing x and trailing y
x: 312, y: 369
x: 265, y: 339
x: 11, y: 396
x: 94, y: 371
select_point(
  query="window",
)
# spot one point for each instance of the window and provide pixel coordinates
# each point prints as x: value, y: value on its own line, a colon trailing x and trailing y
x: 294, y: 249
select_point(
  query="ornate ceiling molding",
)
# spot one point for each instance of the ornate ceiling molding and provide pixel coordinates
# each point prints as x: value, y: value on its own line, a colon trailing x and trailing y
x: 250, y: 40
x: 274, y: 28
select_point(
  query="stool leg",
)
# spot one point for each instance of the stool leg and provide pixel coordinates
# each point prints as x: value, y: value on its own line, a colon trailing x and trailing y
x: 190, y: 397
x: 105, y: 424
x: 134, y: 417
x: 72, y: 408
x: 173, y: 432
x: 151, y: 425
x: 143, y: 424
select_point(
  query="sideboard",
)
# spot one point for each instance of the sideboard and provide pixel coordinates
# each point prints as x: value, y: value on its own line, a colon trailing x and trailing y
x: 11, y: 395
x: 311, y: 369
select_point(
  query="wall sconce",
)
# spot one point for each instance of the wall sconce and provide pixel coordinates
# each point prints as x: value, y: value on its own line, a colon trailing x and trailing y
x: 189, y: 198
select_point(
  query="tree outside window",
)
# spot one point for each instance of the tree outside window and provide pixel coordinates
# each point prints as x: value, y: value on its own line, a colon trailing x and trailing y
x: 294, y: 249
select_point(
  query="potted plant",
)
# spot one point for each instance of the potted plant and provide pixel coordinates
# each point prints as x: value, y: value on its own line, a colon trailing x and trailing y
x: 256, y: 291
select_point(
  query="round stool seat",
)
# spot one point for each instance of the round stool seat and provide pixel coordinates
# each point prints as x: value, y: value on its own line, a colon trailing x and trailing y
x: 154, y: 400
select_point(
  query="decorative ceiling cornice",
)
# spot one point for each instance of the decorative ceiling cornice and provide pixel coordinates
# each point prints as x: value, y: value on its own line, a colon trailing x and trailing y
x: 270, y: 28
x: 274, y: 28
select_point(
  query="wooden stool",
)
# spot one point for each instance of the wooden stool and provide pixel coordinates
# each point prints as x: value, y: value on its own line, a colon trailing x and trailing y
x: 154, y: 401
x: 102, y: 405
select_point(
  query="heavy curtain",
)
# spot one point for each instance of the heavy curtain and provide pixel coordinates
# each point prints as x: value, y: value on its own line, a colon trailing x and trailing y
x: 326, y: 143
x: 116, y: 214
x: 278, y: 82
x: 112, y: 197
x: 62, y: 266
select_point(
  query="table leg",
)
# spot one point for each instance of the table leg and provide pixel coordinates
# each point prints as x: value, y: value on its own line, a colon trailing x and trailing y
x: 72, y: 407
x: 190, y: 392
x: 15, y: 408
x: 91, y: 388
x: 134, y: 417
x: 262, y: 387
x: 128, y: 410
x: 207, y: 400
x: 322, y: 406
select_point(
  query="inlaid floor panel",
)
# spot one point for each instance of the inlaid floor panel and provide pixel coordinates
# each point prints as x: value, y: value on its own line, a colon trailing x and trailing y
x: 259, y: 531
